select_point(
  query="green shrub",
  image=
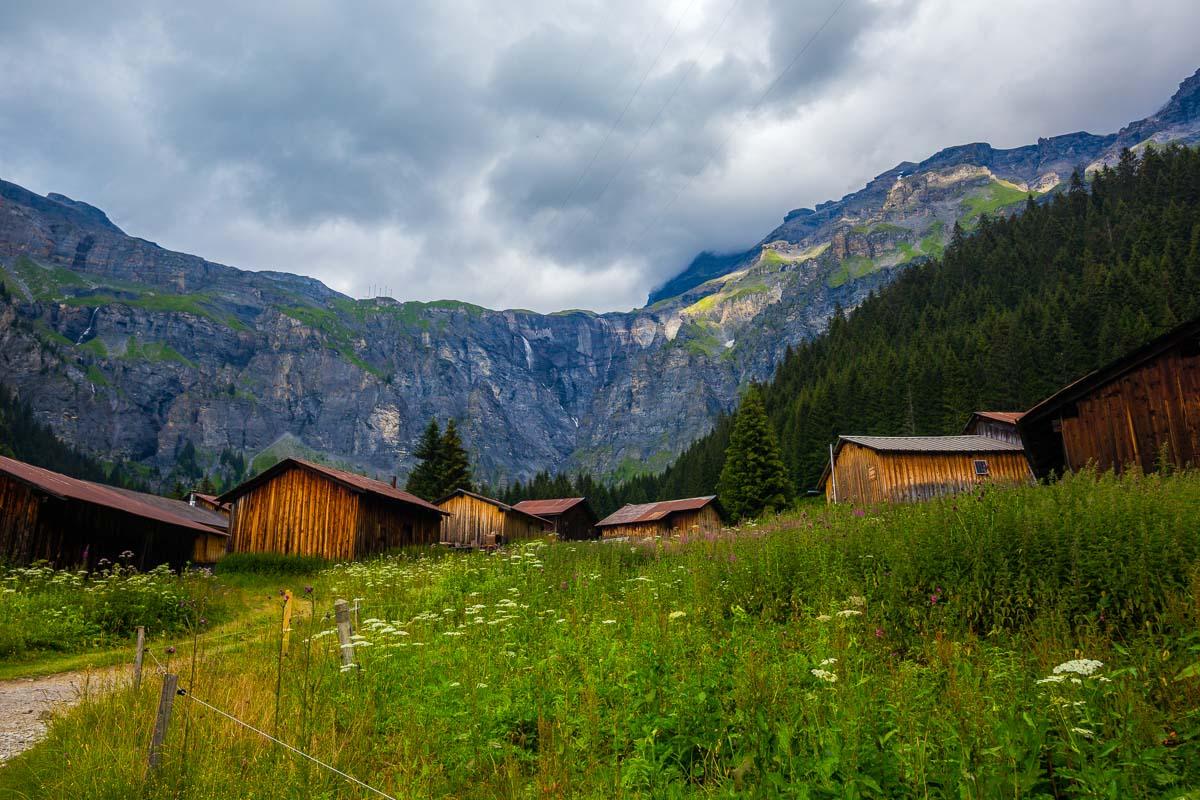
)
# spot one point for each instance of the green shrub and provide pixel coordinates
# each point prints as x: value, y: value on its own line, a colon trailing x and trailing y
x: 269, y: 564
x: 44, y: 608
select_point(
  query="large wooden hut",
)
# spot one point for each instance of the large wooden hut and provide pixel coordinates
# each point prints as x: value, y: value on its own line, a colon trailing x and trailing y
x: 48, y: 516
x: 572, y: 517
x: 890, y: 469
x: 298, y: 507
x: 1135, y: 411
x: 646, y: 520
x: 474, y: 521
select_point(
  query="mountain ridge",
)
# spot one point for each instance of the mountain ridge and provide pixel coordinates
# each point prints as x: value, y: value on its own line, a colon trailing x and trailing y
x: 130, y: 350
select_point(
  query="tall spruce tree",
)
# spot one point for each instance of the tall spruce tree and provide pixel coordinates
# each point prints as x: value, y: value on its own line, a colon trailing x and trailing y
x: 754, y: 478
x: 425, y: 479
x: 455, y: 470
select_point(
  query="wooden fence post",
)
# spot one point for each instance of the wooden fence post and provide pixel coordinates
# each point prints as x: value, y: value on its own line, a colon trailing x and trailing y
x: 165, y: 701
x: 138, y: 652
x: 287, y: 620
x: 342, y: 615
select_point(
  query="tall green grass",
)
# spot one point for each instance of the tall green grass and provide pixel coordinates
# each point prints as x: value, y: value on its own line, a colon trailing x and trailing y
x: 900, y: 652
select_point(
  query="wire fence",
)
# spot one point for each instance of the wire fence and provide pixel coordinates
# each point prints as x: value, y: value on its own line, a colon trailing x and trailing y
x: 324, y: 765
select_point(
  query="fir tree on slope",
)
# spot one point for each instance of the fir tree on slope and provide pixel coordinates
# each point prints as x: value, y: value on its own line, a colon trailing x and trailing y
x: 754, y: 478
x: 425, y: 479
x: 455, y: 470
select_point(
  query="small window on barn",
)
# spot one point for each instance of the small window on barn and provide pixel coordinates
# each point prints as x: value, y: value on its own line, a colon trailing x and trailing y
x: 981, y: 467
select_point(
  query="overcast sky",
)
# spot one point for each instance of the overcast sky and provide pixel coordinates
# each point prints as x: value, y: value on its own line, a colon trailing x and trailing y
x: 542, y: 154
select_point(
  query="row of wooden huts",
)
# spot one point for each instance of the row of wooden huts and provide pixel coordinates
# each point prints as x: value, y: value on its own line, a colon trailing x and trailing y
x: 296, y: 507
x: 1141, y: 410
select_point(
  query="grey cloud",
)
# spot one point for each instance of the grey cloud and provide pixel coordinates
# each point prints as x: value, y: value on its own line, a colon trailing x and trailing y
x: 438, y: 147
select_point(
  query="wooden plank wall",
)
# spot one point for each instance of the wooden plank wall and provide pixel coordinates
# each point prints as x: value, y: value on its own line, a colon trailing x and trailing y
x: 638, y: 530
x: 209, y: 549
x: 1001, y: 431
x: 1128, y: 420
x: 575, y: 524
x: 385, y: 525
x: 865, y: 476
x: 298, y: 512
x: 470, y: 521
x: 704, y: 520
x: 35, y: 527
x: 19, y: 513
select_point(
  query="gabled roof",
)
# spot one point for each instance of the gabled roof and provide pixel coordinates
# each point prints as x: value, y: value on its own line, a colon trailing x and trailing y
x: 931, y: 444
x: 1188, y: 332
x: 139, y: 504
x: 356, y: 483
x: 652, y: 512
x: 505, y: 507
x: 1007, y: 417
x: 549, y: 507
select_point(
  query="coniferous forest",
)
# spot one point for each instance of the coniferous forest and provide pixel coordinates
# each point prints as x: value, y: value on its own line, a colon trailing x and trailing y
x: 1013, y: 311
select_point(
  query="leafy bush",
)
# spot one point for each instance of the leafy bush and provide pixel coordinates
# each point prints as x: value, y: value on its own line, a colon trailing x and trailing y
x: 269, y: 564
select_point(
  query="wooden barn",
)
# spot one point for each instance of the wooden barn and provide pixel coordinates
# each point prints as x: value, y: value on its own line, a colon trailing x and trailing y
x: 1133, y: 411
x: 475, y: 521
x: 1000, y: 425
x: 572, y: 517
x: 298, y: 507
x: 48, y: 516
x: 647, y: 520
x: 891, y: 469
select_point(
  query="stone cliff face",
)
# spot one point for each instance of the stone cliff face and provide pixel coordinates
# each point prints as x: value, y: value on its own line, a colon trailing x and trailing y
x: 131, y: 350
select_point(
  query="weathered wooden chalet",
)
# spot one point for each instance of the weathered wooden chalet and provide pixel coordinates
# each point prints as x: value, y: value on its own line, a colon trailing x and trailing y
x: 48, y: 516
x: 476, y: 521
x: 298, y: 507
x: 891, y: 469
x: 1000, y: 425
x: 1135, y: 411
x: 572, y: 517
x: 647, y: 520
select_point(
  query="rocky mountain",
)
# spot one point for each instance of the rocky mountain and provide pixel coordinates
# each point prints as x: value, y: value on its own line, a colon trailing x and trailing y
x: 128, y: 349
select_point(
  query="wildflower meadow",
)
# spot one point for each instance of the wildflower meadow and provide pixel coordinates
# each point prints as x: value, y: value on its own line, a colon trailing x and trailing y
x: 1033, y: 642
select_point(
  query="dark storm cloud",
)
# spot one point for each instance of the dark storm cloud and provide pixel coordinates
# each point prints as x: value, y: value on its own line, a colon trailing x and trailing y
x: 468, y: 149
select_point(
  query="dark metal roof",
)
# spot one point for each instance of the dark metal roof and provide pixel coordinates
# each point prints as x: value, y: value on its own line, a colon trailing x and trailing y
x: 355, y: 483
x: 505, y: 507
x: 1187, y: 332
x: 932, y: 444
x: 548, y: 507
x: 139, y: 504
x: 652, y: 512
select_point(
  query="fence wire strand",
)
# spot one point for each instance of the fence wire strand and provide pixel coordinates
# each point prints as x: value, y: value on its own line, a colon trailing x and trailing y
x: 265, y: 735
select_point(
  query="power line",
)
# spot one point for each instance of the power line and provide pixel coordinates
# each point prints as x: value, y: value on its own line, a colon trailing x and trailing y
x: 612, y: 128
x: 761, y: 99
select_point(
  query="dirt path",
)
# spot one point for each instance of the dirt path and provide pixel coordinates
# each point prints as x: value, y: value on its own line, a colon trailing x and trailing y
x: 27, y: 703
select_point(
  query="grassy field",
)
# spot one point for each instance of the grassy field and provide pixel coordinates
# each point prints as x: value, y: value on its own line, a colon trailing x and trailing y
x: 1034, y: 642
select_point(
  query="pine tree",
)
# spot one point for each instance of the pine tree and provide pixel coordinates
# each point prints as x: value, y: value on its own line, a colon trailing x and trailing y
x: 455, y: 467
x: 425, y: 479
x: 754, y: 479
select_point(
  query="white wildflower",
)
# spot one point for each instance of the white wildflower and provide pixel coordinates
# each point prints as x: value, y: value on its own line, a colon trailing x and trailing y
x: 1080, y: 666
x: 609, y: 622
x: 828, y: 661
x: 857, y: 601
x: 823, y: 618
x: 1053, y: 679
x: 824, y: 675
x: 677, y: 614
x: 1083, y: 732
x: 849, y: 612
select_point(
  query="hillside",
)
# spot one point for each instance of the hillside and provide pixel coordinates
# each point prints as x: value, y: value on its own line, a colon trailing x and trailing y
x: 131, y: 351
x: 1007, y: 316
